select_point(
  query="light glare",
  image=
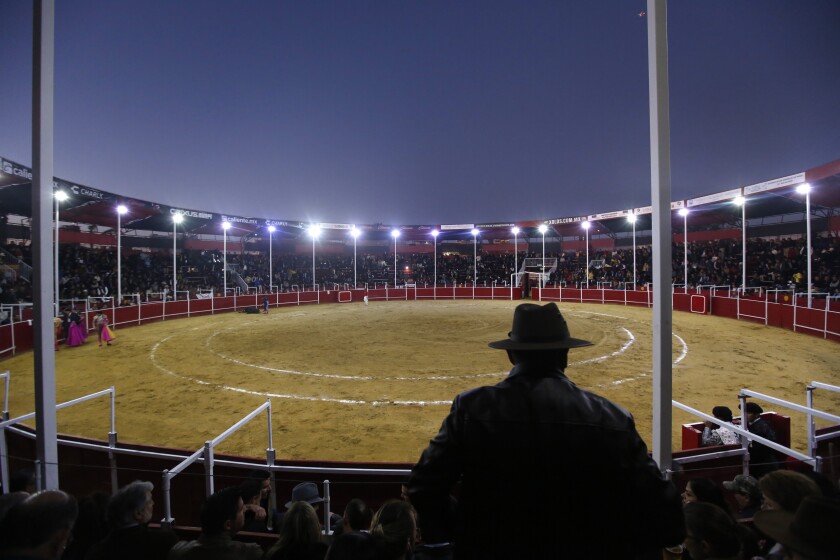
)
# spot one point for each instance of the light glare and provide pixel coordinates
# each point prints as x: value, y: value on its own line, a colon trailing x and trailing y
x: 355, y: 232
x: 515, y: 230
x: 585, y: 225
x: 314, y: 231
x: 178, y: 218
x: 395, y: 233
x: 542, y: 229
x: 804, y: 188
x: 474, y: 232
x: 739, y: 201
x: 435, y: 233
x: 631, y: 218
x: 121, y: 209
x: 60, y: 196
x: 225, y: 225
x: 683, y: 212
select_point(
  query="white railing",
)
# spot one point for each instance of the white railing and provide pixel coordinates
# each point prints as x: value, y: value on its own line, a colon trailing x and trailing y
x: 813, y: 438
x: 4, y: 456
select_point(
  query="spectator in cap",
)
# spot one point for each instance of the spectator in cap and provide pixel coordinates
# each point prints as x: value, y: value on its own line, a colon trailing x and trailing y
x: 809, y: 534
x: 747, y: 495
x: 547, y: 470
x: 308, y: 492
x: 762, y: 459
x: 713, y: 434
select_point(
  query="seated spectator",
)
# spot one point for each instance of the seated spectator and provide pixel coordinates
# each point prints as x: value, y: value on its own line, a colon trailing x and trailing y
x: 221, y: 518
x: 747, y: 495
x: 266, y: 503
x: 809, y: 534
x: 714, y: 434
x: 129, y: 513
x: 706, y: 491
x: 356, y: 545
x: 357, y: 517
x: 395, y: 524
x: 308, y: 492
x: 38, y: 527
x: 300, y: 536
x: 255, y: 516
x: 784, y: 491
x: 711, y: 533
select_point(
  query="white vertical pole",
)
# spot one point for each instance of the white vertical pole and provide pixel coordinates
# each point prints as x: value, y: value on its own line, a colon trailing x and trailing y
x: 174, y: 260
x: 634, y: 255
x: 515, y: 253
x: 313, y: 263
x: 660, y: 167
x: 355, y: 263
x: 119, y: 258
x: 744, y: 247
x: 270, y: 260
x: 808, y: 240
x: 56, y: 303
x: 685, y: 250
x: 395, y: 262
x: 43, y: 87
x: 224, y: 259
x: 587, y: 258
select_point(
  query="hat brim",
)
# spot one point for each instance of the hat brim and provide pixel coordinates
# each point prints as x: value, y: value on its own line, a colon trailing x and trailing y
x: 508, y: 344
x: 311, y: 501
x: 776, y: 525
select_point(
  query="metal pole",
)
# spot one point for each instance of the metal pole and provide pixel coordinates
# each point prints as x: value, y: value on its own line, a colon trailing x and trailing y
x: 270, y: 262
x: 43, y: 87
x: 224, y: 259
x: 542, y: 268
x: 587, y: 258
x: 313, y: 263
x: 174, y: 260
x: 808, y: 240
x: 685, y: 251
x: 119, y: 259
x: 395, y: 262
x: 660, y: 173
x: 634, y: 255
x: 515, y: 253
x: 744, y: 246
x: 355, y: 263
x: 56, y: 303
x: 435, y: 236
x: 475, y: 262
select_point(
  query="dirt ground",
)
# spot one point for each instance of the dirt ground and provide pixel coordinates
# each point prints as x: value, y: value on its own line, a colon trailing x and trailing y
x: 373, y: 383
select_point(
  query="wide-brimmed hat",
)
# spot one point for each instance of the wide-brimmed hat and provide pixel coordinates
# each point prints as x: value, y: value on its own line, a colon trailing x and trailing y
x: 812, y: 530
x: 305, y: 492
x: 753, y: 408
x: 744, y: 484
x: 538, y: 327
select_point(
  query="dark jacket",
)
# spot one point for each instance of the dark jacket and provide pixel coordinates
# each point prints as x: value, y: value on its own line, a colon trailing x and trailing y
x: 136, y: 542
x: 547, y: 470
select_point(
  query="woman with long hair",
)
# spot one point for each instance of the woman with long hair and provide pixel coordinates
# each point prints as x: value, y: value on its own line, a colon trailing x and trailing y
x: 395, y: 525
x: 300, y: 536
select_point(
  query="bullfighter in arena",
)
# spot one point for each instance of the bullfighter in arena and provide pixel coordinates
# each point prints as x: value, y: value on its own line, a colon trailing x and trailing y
x: 547, y: 470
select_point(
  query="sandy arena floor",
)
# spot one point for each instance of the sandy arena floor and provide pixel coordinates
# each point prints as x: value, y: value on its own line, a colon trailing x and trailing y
x: 373, y: 383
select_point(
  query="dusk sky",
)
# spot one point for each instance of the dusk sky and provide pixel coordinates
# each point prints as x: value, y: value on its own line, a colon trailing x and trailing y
x: 413, y: 112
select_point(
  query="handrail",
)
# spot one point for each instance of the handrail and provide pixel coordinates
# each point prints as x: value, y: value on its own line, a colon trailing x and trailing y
x: 5, y: 376
x: 791, y: 405
x: 747, y: 436
x: 812, y: 427
x: 207, y: 453
x: 4, y: 456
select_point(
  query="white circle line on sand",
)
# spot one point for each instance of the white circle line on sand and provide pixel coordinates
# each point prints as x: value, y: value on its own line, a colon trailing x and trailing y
x: 631, y: 339
x: 683, y: 354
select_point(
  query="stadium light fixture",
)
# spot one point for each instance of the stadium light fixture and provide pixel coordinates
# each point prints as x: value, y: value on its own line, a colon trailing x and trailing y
x: 515, y: 231
x: 742, y: 202
x: 474, y: 233
x: 60, y: 196
x: 176, y: 219
x: 632, y: 219
x: 435, y: 234
x: 121, y: 209
x: 314, y: 232
x: 225, y: 228
x: 586, y: 225
x: 805, y: 188
x: 542, y: 229
x: 395, y: 233
x: 355, y: 233
x: 684, y: 213
x: 271, y: 230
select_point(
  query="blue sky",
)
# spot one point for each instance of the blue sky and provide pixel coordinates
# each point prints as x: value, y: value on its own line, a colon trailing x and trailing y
x: 422, y: 112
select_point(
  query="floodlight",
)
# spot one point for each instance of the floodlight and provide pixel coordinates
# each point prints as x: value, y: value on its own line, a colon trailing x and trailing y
x: 178, y: 218
x: 543, y: 228
x: 515, y: 230
x: 355, y: 232
x: 804, y: 188
x: 631, y: 218
x: 739, y: 201
x: 474, y: 232
x: 225, y: 226
x: 395, y: 233
x: 683, y: 212
x: 271, y: 229
x: 60, y: 196
x: 314, y: 231
x: 585, y: 225
x: 121, y: 209
x: 435, y: 233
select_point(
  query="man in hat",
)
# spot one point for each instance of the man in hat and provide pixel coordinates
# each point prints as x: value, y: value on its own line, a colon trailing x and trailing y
x: 762, y: 459
x: 747, y: 495
x: 308, y: 492
x: 547, y: 469
x: 809, y: 534
x: 714, y: 434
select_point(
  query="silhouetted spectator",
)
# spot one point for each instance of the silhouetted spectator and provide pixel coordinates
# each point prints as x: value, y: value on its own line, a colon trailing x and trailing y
x: 546, y: 469
x: 222, y: 517
x: 300, y: 536
x: 38, y: 527
x: 747, y: 495
x: 129, y: 513
x: 704, y: 490
x: 811, y: 533
x: 762, y: 458
x: 395, y: 524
